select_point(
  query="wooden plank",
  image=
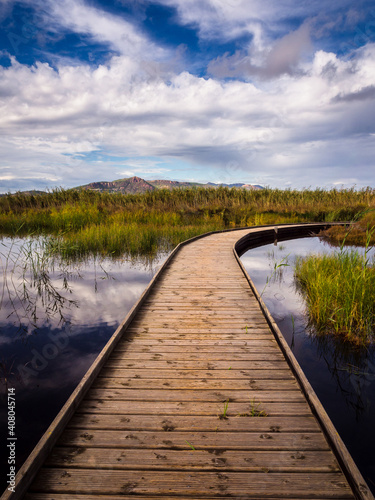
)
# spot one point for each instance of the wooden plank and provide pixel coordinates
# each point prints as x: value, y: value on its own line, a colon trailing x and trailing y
x: 212, y: 295
x: 112, y: 407
x: 268, y: 345
x: 270, y: 355
x: 254, y: 422
x: 136, y: 373
x: 195, y: 395
x: 163, y: 335
x: 64, y: 496
x: 191, y: 483
x: 205, y: 303
x: 201, y: 311
x: 198, y: 384
x: 228, y: 460
x: 242, y: 332
x: 248, y: 314
x: 215, y: 344
x: 231, y: 329
x: 179, y: 335
x: 199, y: 320
x: 203, y: 323
x: 196, y: 364
x: 200, y: 440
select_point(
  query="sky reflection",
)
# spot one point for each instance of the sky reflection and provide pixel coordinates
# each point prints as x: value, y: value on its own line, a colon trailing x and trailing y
x: 52, y: 330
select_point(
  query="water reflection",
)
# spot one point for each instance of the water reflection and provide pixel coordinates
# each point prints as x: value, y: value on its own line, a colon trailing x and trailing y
x: 342, y: 375
x: 29, y: 287
x: 352, y: 369
x: 55, y: 317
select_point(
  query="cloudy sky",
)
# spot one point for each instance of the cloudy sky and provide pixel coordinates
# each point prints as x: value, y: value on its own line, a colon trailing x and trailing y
x: 273, y: 92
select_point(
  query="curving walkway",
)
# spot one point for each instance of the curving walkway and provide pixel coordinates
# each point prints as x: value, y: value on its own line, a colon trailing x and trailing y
x: 196, y: 401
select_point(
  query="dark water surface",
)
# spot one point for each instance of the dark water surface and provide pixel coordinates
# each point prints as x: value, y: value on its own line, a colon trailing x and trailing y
x: 52, y: 327
x: 342, y: 376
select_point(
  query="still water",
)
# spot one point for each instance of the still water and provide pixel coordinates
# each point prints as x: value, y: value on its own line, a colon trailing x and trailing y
x: 342, y: 376
x: 54, y: 320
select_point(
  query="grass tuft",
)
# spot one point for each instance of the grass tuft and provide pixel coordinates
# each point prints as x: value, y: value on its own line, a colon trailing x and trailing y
x: 340, y: 293
x: 224, y: 416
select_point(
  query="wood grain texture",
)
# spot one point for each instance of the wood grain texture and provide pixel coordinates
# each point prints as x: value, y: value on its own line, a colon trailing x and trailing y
x: 192, y: 483
x: 207, y: 460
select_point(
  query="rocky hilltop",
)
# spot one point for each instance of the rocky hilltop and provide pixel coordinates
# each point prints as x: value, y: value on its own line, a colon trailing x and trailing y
x: 134, y: 185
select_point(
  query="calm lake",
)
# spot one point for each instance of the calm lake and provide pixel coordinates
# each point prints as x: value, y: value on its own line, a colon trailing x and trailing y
x: 55, y: 318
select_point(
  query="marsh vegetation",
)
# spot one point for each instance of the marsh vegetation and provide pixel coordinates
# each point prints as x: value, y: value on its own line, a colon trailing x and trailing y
x: 81, y: 223
x: 339, y: 290
x: 77, y: 224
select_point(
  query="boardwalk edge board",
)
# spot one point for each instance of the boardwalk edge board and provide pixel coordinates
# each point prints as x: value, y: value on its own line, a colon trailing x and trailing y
x: 261, y: 235
x: 347, y: 464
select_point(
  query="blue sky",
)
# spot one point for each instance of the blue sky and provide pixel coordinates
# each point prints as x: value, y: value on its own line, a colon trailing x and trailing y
x: 278, y: 93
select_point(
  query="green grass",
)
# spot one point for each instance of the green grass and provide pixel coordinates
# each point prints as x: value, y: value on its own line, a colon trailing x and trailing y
x: 255, y: 411
x: 83, y: 223
x: 190, y: 445
x: 355, y: 234
x: 340, y: 293
x: 224, y: 416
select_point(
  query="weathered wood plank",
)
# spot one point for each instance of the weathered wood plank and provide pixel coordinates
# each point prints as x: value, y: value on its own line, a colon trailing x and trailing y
x: 136, y: 373
x: 215, y: 344
x: 64, y: 496
x: 200, y: 484
x: 109, y: 406
x: 233, y: 304
x: 197, y: 321
x: 251, y: 347
x: 257, y: 421
x: 241, y: 332
x: 270, y: 355
x: 205, y: 383
x: 228, y: 460
x: 292, y: 396
x: 200, y: 440
x: 196, y: 364
x: 185, y: 314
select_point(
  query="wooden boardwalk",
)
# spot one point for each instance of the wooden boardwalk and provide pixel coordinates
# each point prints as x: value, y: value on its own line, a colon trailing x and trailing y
x: 196, y: 401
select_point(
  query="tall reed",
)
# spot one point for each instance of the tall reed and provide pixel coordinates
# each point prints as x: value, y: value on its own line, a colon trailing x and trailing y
x: 84, y: 222
x: 340, y: 293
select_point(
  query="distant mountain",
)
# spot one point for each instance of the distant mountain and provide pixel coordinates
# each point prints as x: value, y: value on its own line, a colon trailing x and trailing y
x: 33, y: 192
x: 134, y: 185
x: 163, y: 184
x: 239, y: 185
